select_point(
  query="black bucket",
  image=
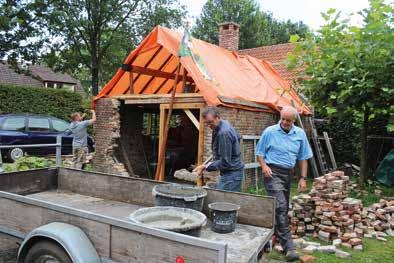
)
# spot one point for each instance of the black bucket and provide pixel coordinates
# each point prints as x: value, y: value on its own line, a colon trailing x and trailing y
x: 179, y: 196
x: 224, y: 216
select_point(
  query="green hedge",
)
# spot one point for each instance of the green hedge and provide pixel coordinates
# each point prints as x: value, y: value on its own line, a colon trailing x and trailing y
x: 56, y: 103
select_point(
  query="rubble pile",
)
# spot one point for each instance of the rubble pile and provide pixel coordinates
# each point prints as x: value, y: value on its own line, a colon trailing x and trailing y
x: 330, y: 215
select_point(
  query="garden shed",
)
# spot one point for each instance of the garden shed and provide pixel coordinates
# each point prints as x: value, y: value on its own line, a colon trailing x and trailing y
x: 133, y: 105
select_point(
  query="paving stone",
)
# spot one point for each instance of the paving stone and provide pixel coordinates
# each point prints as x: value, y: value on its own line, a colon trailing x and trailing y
x: 342, y: 254
x: 327, y: 249
x: 309, y: 249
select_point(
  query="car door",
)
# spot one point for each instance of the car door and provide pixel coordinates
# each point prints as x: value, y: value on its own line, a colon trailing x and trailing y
x: 13, y: 131
x: 39, y: 131
x: 60, y: 127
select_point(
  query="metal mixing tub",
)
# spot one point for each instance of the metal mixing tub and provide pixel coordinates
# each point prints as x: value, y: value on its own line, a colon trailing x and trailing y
x: 179, y: 196
x: 176, y: 219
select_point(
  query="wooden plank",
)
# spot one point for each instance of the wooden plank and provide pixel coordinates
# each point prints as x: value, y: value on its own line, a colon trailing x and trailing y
x: 156, y: 96
x: 127, y: 246
x: 330, y: 151
x: 111, y: 187
x: 157, y: 73
x: 28, y: 181
x: 185, y: 105
x: 192, y: 118
x: 255, y: 210
x: 242, y: 103
x: 35, y: 216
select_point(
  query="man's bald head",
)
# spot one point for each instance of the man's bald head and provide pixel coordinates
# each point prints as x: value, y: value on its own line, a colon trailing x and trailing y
x: 288, y: 115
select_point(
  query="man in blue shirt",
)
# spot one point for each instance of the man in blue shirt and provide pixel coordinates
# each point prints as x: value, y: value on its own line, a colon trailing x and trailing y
x: 78, y: 128
x: 278, y: 150
x: 226, y: 151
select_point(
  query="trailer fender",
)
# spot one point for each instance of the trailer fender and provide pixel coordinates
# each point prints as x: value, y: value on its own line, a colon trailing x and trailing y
x: 71, y: 238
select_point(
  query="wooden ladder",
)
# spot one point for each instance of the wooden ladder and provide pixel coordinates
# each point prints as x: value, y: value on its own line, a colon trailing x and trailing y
x: 323, y: 165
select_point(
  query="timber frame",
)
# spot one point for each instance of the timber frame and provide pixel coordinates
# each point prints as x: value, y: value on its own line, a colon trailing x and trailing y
x: 182, y: 101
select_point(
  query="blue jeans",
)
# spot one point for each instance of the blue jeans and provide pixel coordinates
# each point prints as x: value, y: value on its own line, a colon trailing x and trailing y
x: 230, y: 181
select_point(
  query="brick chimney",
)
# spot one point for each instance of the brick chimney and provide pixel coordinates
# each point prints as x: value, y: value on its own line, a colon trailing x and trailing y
x: 229, y: 35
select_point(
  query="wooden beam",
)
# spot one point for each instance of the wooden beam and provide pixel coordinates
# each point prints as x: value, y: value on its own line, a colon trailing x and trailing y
x: 242, y: 103
x: 159, y: 173
x: 192, y: 118
x: 156, y: 96
x: 185, y: 106
x: 153, y: 77
x: 156, y: 73
x: 129, y: 66
x: 200, y: 154
x: 162, y: 121
x: 131, y: 79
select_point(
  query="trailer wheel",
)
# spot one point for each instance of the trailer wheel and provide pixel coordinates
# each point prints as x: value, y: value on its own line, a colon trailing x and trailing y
x: 46, y: 252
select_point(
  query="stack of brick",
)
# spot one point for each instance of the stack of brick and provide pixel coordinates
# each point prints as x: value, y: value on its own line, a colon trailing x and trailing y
x: 329, y: 214
x: 326, y: 212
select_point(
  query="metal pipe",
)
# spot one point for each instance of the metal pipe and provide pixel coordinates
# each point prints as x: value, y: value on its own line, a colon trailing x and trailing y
x: 28, y: 146
x: 1, y: 164
x: 58, y: 151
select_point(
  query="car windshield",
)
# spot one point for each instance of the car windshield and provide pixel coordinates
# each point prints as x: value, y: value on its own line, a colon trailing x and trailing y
x: 60, y: 125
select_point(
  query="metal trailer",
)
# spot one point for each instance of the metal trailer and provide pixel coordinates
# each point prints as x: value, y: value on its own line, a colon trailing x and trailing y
x: 82, y: 217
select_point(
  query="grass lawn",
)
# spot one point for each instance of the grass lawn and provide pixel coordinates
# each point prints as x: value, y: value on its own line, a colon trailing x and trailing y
x: 374, y: 251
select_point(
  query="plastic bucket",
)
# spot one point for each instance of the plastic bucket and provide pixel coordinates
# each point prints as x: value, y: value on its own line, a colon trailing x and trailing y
x: 179, y: 196
x: 224, y: 216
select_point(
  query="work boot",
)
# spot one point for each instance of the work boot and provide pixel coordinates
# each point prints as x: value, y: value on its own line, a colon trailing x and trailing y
x: 292, y: 256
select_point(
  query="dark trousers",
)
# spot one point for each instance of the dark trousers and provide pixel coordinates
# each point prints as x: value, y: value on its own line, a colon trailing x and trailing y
x: 230, y: 181
x: 279, y: 187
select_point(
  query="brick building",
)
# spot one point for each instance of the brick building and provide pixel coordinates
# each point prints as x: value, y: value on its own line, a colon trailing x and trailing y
x: 132, y: 107
x: 38, y: 76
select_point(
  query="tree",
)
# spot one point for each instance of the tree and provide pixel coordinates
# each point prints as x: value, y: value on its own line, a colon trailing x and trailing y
x: 257, y: 28
x: 97, y: 34
x: 350, y: 69
x: 20, y: 29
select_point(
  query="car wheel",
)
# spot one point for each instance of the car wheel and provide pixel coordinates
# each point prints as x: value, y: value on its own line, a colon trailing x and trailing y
x: 46, y: 252
x: 15, y: 154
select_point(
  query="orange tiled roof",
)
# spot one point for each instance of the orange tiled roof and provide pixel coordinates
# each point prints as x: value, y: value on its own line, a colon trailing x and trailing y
x: 276, y: 54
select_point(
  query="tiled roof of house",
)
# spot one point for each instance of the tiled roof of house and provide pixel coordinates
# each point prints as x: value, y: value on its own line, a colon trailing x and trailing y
x: 8, y: 75
x: 276, y: 54
x: 47, y: 74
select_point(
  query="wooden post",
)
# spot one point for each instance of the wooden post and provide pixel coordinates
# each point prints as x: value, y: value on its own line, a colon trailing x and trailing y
x: 159, y: 170
x: 200, y: 154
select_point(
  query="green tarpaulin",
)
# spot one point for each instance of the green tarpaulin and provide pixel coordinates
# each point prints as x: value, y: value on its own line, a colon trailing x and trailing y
x: 385, y: 171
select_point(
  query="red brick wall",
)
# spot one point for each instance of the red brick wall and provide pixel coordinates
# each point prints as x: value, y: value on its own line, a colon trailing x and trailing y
x: 246, y: 123
x: 106, y: 135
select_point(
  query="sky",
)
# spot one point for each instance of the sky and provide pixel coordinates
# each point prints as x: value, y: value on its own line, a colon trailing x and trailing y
x: 307, y: 11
